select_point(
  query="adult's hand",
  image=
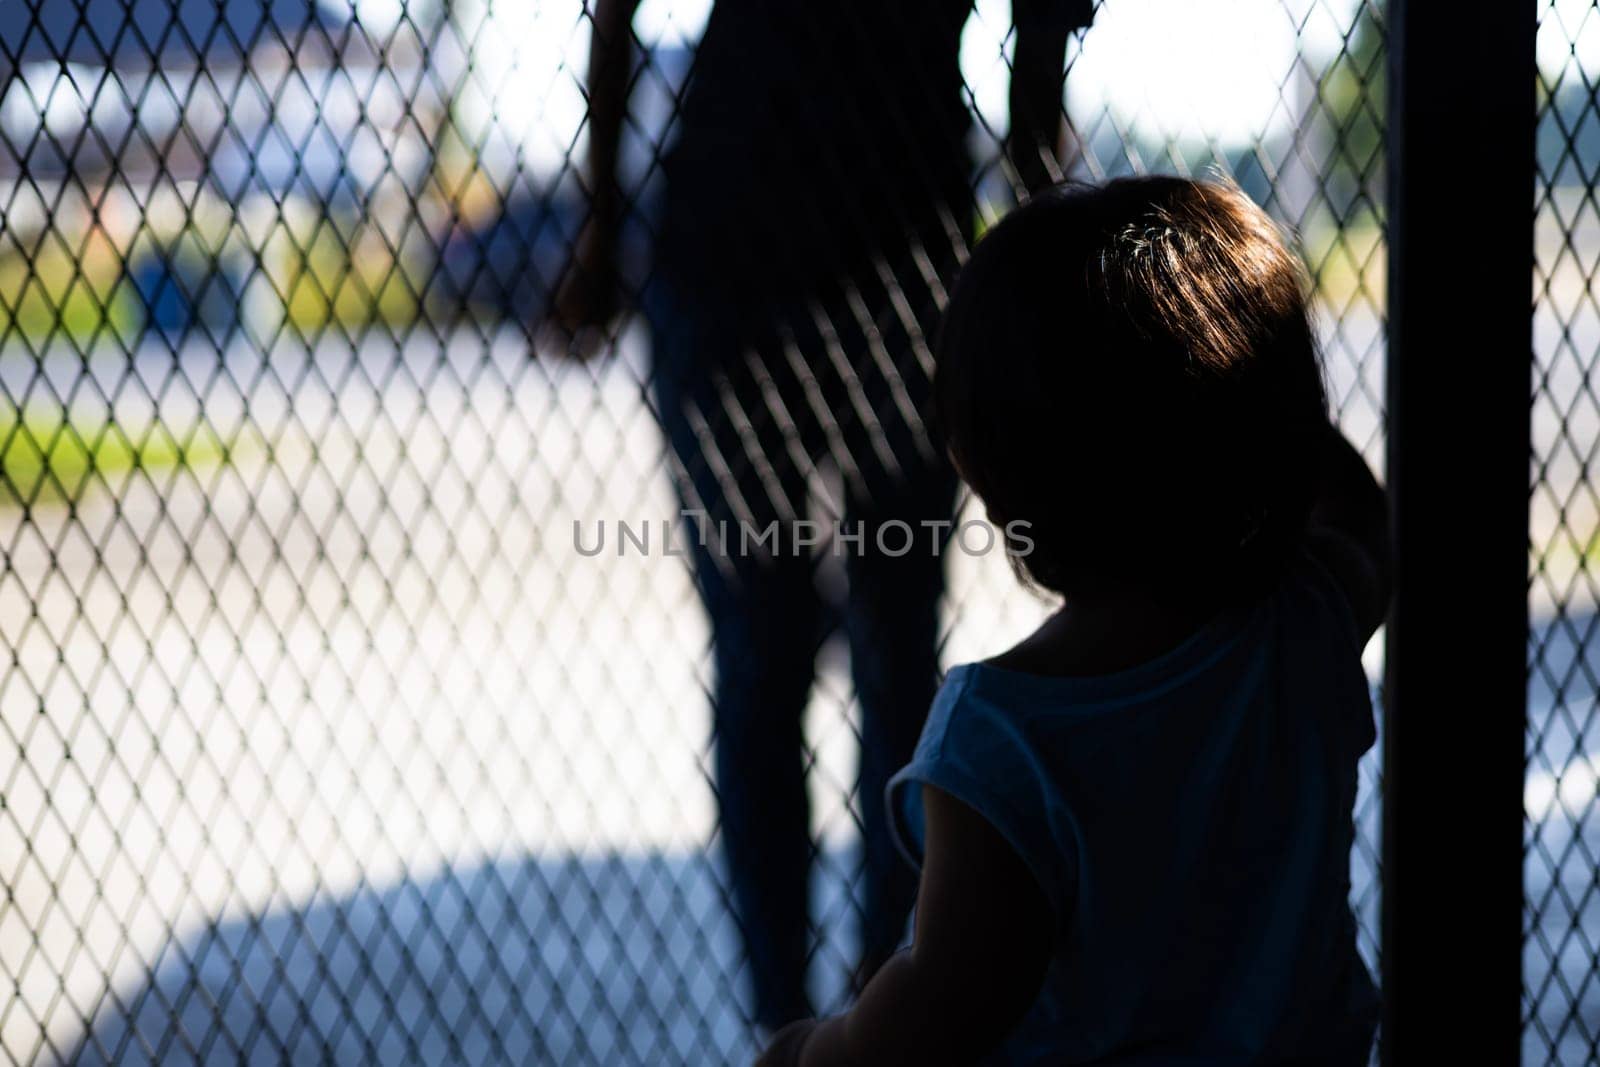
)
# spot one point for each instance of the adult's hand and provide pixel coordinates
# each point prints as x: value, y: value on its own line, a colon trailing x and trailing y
x: 587, y: 295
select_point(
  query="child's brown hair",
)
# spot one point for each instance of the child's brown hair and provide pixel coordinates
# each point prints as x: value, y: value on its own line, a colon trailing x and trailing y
x: 1129, y: 368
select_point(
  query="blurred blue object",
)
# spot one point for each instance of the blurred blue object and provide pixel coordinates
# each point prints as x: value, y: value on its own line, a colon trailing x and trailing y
x: 180, y: 292
x: 506, y: 265
x: 142, y: 32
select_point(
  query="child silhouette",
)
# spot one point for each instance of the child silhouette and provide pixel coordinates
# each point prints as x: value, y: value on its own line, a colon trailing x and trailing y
x: 1134, y: 827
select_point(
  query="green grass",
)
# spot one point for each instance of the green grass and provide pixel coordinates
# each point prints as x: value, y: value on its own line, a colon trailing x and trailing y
x: 55, y: 295
x: 1346, y: 262
x: 326, y: 283
x: 49, y: 457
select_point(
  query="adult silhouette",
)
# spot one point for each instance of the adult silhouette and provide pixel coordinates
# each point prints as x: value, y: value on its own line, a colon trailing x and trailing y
x: 817, y: 202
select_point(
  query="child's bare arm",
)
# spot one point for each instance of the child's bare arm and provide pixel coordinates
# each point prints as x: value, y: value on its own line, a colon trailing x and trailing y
x: 1349, y: 532
x: 984, y: 933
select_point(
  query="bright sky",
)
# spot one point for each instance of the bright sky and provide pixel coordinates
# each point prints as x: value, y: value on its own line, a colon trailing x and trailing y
x: 1187, y: 68
x: 1179, y: 68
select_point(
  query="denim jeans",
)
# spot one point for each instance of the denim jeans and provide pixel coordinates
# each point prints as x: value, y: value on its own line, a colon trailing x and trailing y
x: 748, y: 416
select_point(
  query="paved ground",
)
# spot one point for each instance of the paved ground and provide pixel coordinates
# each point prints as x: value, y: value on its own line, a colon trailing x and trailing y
x: 344, y: 749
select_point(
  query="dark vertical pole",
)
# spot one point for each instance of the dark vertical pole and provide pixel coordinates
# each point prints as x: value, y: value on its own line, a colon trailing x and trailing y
x: 1461, y: 165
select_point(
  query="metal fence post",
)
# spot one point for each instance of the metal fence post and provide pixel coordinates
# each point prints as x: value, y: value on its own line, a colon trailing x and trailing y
x: 1461, y: 164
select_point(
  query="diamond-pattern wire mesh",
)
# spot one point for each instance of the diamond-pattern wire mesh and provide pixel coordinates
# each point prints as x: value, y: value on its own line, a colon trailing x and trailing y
x: 1561, y: 953
x: 318, y: 739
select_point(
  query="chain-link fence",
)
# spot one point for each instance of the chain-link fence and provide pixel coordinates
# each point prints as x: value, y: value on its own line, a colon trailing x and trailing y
x: 1561, y: 957
x: 319, y: 739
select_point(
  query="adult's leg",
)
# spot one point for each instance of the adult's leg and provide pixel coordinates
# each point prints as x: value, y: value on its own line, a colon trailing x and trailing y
x: 900, y: 487
x: 892, y: 621
x: 734, y: 472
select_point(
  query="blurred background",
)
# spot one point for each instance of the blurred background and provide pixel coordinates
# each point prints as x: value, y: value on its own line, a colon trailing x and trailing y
x: 318, y: 738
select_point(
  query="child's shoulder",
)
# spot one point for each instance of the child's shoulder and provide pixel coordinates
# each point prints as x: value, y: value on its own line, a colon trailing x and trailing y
x: 1140, y: 649
x: 1092, y: 640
